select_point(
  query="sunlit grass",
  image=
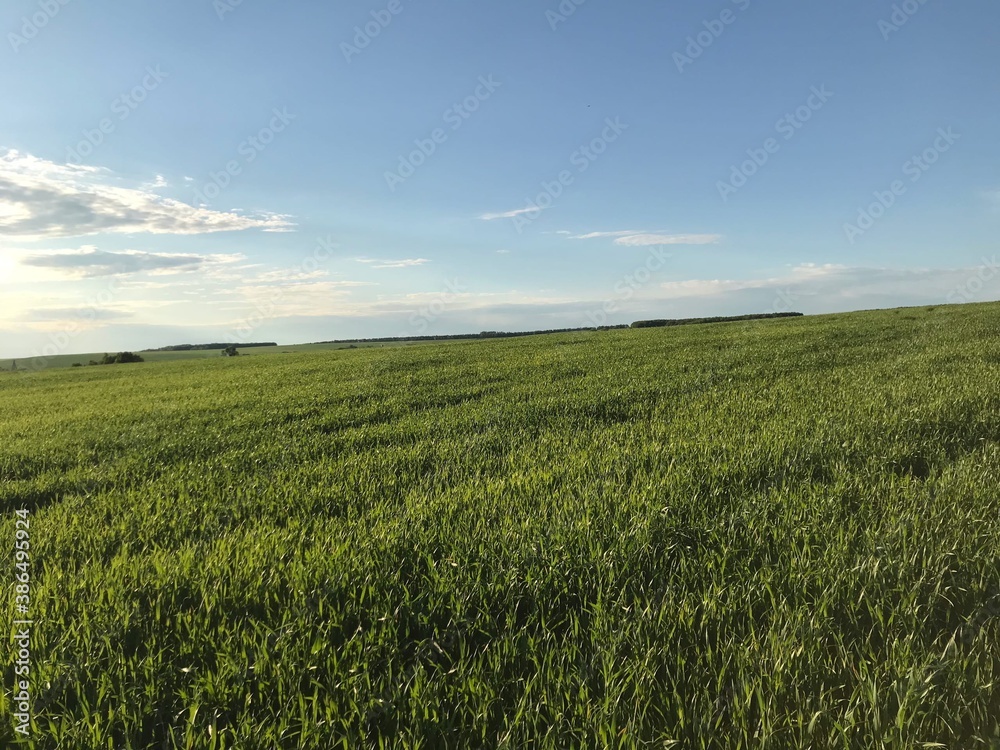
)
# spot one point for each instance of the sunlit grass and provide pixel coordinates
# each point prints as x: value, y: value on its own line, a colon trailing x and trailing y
x: 774, y: 534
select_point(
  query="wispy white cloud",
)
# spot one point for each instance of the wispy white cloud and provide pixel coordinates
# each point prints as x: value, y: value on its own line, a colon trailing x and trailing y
x: 88, y: 262
x: 458, y: 301
x: 401, y: 263
x: 40, y: 198
x: 647, y: 240
x: 133, y: 284
x: 288, y: 275
x: 642, y: 238
x: 600, y: 235
x: 509, y: 214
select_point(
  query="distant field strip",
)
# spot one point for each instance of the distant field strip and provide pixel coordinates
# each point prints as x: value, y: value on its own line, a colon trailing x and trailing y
x: 763, y: 534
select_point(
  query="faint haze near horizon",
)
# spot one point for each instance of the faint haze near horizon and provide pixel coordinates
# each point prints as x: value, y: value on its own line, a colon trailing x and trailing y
x: 304, y: 172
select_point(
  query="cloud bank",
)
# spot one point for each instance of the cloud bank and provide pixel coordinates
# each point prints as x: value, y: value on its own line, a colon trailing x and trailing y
x: 40, y: 198
x: 89, y: 262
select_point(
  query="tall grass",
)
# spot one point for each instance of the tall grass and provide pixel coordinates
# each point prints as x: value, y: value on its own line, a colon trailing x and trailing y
x: 758, y: 535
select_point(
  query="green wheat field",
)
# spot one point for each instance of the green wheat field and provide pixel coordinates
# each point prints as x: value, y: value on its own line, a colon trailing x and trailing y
x: 774, y: 534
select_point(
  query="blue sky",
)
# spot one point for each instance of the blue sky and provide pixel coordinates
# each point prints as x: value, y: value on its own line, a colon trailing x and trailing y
x: 299, y: 171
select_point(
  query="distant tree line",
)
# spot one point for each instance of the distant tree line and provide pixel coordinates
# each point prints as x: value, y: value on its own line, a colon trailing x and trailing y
x: 228, y: 349
x: 203, y: 347
x: 725, y: 319
x: 121, y: 358
x: 468, y: 336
